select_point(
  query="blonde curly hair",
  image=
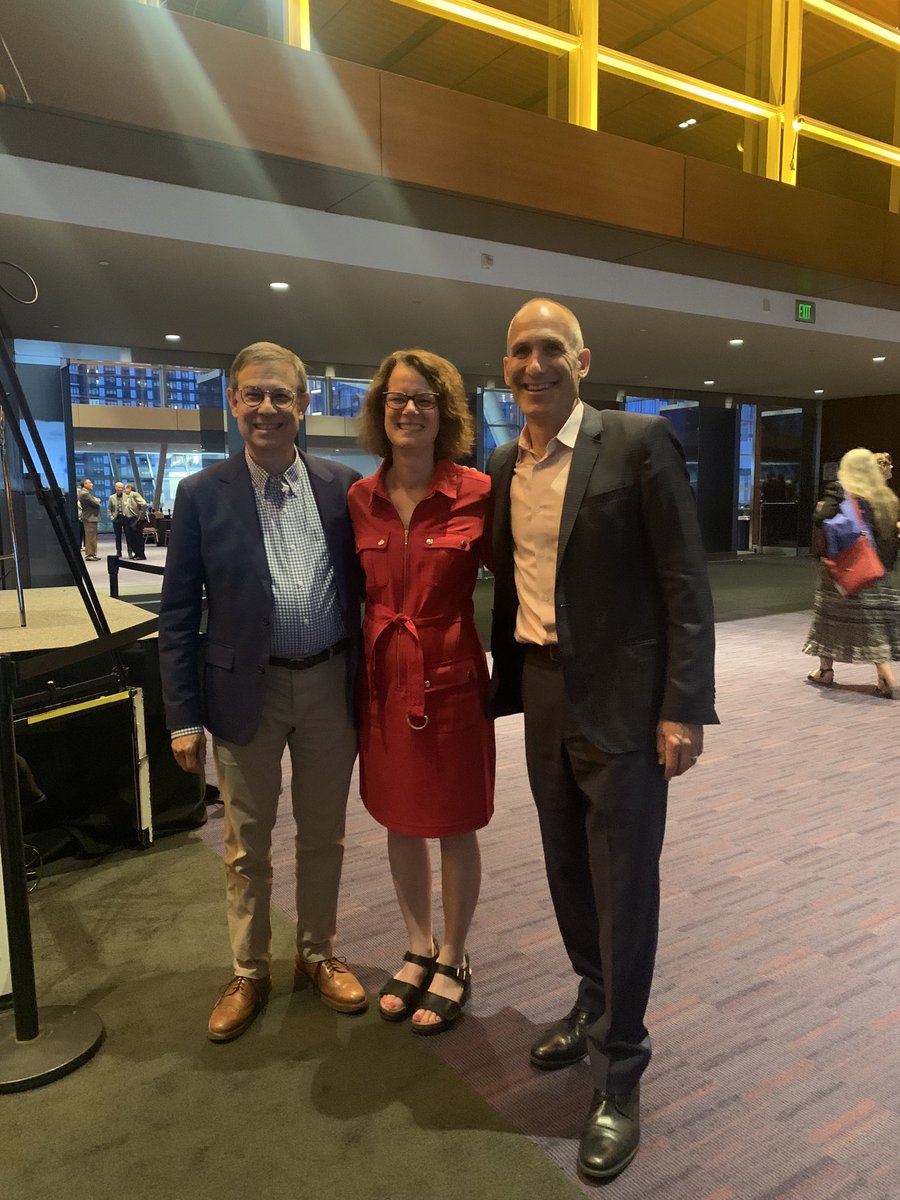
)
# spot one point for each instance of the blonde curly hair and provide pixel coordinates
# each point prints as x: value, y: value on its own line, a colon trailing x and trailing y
x: 861, y: 476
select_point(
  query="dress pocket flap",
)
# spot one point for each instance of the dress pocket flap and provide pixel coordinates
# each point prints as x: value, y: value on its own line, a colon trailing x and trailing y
x: 448, y: 541
x: 460, y: 673
x: 371, y: 541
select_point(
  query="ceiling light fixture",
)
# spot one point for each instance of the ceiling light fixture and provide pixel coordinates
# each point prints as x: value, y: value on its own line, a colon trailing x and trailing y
x: 878, y: 32
x: 735, y: 341
x: 708, y: 382
x: 878, y: 358
x: 818, y: 391
x: 482, y: 16
x: 279, y: 286
x: 173, y: 337
x: 688, y: 123
x: 682, y: 85
x: 831, y: 135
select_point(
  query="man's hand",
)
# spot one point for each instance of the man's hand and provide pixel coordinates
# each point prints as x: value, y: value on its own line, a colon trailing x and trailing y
x: 190, y: 752
x: 678, y: 746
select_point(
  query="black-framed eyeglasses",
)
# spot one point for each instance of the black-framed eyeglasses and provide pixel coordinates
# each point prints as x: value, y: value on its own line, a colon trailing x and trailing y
x: 281, y: 397
x: 424, y: 401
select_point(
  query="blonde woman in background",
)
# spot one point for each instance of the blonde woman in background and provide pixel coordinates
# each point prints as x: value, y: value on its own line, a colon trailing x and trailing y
x: 866, y: 627
x: 885, y: 465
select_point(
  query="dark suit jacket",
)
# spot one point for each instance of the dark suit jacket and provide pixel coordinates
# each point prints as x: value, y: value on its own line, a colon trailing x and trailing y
x: 633, y: 607
x: 217, y: 543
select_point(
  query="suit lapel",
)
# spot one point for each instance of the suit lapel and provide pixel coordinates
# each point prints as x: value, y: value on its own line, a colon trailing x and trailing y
x: 584, y: 457
x: 238, y: 491
x: 501, y: 479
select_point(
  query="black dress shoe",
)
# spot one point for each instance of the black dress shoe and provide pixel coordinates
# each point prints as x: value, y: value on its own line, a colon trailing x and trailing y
x: 611, y: 1135
x: 564, y: 1043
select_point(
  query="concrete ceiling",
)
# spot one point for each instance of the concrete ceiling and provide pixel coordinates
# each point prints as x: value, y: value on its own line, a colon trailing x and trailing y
x: 217, y: 297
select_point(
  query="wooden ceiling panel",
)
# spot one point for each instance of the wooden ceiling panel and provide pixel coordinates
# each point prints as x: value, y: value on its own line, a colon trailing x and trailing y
x: 364, y: 31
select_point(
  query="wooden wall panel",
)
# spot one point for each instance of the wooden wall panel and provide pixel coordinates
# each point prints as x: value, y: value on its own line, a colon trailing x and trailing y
x: 871, y: 421
x: 724, y: 207
x: 142, y: 66
x: 458, y: 143
x: 892, y: 248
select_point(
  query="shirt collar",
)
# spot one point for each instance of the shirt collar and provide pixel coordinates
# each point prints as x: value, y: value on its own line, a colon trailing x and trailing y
x: 261, y: 477
x: 566, y: 436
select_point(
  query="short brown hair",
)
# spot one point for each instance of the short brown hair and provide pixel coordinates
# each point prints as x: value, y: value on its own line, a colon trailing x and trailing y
x: 456, y: 432
x: 268, y: 352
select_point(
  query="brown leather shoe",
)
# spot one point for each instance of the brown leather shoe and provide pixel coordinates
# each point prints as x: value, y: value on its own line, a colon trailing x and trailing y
x: 237, y: 1007
x: 335, y: 983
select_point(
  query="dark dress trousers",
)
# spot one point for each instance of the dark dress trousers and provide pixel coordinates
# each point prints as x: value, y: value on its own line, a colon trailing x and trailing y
x: 217, y: 543
x: 635, y: 645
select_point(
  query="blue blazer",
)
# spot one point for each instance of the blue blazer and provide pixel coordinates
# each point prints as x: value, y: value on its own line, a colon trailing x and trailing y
x: 216, y: 544
x: 634, y: 614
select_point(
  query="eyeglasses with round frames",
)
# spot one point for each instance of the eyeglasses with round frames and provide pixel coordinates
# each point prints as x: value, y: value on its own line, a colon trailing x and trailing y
x: 424, y: 401
x: 281, y: 397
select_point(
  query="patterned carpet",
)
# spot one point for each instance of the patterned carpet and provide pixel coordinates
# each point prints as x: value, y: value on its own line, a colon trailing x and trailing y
x: 775, y: 1012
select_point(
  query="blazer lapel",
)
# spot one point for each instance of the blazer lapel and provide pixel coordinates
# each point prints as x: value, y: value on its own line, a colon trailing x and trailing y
x: 584, y: 456
x: 501, y: 479
x: 238, y: 489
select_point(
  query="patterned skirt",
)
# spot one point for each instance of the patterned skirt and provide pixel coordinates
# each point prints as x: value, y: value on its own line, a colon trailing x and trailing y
x: 855, y: 629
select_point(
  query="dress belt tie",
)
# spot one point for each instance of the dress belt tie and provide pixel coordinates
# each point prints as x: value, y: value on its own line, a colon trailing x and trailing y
x: 383, y: 618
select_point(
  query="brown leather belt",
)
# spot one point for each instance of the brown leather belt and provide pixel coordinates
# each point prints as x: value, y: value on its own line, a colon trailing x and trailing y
x: 312, y: 660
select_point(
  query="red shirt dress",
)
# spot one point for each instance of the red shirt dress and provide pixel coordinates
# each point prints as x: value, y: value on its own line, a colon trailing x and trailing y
x: 426, y: 747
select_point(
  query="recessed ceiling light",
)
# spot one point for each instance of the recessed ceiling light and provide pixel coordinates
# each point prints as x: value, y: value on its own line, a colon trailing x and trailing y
x: 878, y: 358
x: 173, y: 337
x: 279, y: 286
x: 102, y: 263
x: 818, y: 391
x: 735, y: 341
x: 708, y: 382
x: 688, y: 123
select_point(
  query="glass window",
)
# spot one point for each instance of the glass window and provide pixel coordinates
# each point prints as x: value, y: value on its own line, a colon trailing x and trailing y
x: 502, y: 420
x: 318, y: 395
x: 347, y: 396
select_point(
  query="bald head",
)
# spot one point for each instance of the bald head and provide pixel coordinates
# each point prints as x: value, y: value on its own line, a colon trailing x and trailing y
x: 542, y: 310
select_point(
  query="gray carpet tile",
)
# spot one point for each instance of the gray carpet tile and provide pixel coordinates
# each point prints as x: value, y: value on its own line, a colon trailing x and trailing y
x: 774, y: 1015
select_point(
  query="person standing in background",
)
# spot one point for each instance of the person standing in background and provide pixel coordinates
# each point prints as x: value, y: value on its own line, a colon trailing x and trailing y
x: 136, y: 512
x: 115, y: 506
x: 89, y: 508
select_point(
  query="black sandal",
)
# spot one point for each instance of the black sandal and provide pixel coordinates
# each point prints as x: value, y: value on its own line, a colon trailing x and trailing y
x: 448, y: 1010
x: 409, y: 993
x: 819, y: 679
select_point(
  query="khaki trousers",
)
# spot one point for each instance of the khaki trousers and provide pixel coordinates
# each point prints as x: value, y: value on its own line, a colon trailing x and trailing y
x: 90, y: 538
x: 308, y: 712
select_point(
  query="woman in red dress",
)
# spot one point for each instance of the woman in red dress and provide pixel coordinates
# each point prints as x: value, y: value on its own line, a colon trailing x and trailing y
x: 426, y: 746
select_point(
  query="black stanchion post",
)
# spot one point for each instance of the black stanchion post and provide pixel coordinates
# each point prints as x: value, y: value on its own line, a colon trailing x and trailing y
x: 18, y: 923
x: 36, y: 1047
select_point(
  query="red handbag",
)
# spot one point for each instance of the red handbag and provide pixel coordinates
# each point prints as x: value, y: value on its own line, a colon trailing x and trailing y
x: 858, y: 567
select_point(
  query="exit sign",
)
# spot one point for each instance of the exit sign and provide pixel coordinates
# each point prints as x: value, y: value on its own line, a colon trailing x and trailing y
x: 805, y: 311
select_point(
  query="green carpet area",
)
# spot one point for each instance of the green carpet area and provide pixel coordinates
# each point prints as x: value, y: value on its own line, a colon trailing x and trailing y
x: 750, y: 586
x: 307, y: 1103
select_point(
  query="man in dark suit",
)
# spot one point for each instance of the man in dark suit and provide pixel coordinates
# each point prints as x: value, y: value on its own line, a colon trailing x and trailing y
x: 267, y: 536
x: 603, y: 635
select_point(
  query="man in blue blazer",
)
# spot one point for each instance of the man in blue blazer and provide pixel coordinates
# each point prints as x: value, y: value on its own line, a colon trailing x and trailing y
x: 266, y: 535
x: 603, y: 635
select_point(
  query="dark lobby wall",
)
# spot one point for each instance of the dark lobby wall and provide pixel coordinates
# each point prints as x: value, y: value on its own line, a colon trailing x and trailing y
x: 871, y: 421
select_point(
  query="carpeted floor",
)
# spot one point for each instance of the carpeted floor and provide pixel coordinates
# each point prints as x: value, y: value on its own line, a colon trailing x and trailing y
x: 775, y: 1012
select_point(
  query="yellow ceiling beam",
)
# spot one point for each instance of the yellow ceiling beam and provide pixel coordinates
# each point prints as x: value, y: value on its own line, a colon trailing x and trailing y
x: 296, y: 24
x: 849, y: 18
x: 833, y: 136
x: 492, y: 20
x: 684, y: 85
